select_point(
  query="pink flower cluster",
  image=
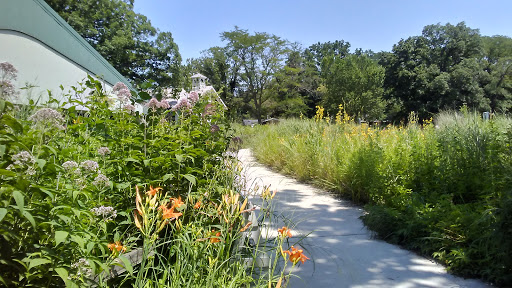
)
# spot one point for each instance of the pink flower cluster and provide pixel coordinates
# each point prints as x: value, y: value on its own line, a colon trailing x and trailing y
x: 48, y: 116
x: 7, y: 74
x: 183, y: 104
x: 154, y: 104
x: 8, y: 71
x: 122, y: 92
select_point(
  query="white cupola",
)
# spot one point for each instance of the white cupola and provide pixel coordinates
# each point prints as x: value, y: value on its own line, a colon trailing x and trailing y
x: 198, y: 82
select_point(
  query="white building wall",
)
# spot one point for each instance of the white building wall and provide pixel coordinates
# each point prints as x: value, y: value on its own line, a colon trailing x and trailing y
x: 39, y: 66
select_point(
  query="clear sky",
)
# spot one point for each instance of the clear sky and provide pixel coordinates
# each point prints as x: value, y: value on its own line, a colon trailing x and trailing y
x: 367, y: 24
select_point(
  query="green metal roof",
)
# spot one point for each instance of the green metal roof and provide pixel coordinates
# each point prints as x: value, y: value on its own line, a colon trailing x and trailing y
x: 38, y: 20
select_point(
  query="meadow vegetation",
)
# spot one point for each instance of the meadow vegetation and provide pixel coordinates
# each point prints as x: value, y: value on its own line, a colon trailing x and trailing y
x: 441, y: 188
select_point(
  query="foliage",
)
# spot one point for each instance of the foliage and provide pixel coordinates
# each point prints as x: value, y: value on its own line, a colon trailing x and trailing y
x: 125, y: 38
x: 356, y: 82
x: 448, y: 67
x: 441, y: 189
x: 256, y: 59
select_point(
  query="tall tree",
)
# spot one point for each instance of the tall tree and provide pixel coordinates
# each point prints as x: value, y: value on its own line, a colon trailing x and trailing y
x: 355, y: 82
x: 498, y: 63
x: 125, y: 38
x: 437, y: 70
x: 254, y: 59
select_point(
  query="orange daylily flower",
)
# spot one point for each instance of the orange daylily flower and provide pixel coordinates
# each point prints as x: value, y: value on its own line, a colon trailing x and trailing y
x: 285, y: 232
x: 176, y: 202
x: 296, y: 255
x: 198, y: 205
x: 169, y: 213
x: 152, y: 191
x: 215, y: 238
x: 117, y: 246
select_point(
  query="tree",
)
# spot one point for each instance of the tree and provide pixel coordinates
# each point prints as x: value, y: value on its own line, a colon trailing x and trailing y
x: 498, y: 63
x: 254, y: 61
x: 355, y: 82
x: 288, y: 88
x: 437, y: 70
x: 124, y: 38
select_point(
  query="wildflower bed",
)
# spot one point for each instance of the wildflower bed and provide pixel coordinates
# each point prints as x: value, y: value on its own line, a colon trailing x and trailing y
x: 82, y: 192
x: 444, y: 192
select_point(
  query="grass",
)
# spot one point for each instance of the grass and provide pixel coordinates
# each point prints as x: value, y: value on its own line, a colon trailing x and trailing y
x: 441, y: 188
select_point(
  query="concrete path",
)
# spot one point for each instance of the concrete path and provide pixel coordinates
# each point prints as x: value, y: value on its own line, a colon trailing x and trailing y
x: 342, y: 251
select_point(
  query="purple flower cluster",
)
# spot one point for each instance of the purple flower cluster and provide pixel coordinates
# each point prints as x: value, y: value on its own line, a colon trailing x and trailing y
x: 164, y: 104
x: 214, y: 128
x: 103, y: 151
x: 107, y: 212
x: 183, y: 104
x: 8, y: 71
x: 48, y: 116
x: 193, y: 97
x: 153, y: 104
x: 129, y: 107
x: 101, y: 181
x: 90, y: 166
x: 7, y: 74
x: 23, y: 160
x: 70, y: 165
x: 122, y: 92
x: 82, y: 267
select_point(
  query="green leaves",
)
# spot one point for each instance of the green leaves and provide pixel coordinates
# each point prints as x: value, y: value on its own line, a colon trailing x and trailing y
x: 60, y: 236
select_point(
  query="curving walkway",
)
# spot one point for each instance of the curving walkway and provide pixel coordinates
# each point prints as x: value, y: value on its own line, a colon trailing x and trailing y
x: 342, y: 251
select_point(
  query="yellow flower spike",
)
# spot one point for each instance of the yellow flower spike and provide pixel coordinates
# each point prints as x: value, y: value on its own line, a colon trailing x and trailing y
x: 273, y: 194
x: 242, y: 207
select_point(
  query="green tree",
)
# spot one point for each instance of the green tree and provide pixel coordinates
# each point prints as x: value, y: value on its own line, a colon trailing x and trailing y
x: 498, y: 63
x: 288, y: 88
x: 438, y: 70
x: 254, y: 61
x: 355, y: 82
x: 125, y: 38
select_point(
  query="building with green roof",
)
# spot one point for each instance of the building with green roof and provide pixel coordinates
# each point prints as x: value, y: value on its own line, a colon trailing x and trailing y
x: 47, y: 52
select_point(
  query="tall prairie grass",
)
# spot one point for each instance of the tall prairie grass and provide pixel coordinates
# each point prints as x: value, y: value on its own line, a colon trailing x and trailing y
x: 442, y: 188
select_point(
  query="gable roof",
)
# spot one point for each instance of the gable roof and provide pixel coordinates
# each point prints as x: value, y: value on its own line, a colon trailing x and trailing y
x: 38, y: 20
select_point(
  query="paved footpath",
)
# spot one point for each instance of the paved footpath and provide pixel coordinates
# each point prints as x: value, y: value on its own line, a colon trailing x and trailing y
x: 342, y: 251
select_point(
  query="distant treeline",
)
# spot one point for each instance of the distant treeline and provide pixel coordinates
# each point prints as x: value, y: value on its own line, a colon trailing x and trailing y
x: 260, y: 74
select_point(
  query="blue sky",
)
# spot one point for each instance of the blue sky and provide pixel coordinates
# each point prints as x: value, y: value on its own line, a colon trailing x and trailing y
x: 368, y: 24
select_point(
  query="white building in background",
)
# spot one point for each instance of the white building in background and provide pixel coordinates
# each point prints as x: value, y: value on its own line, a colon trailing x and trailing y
x: 48, y: 53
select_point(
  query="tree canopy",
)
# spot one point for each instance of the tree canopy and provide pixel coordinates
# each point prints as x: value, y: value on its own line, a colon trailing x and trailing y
x: 126, y: 39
